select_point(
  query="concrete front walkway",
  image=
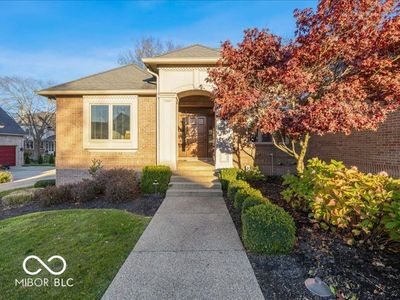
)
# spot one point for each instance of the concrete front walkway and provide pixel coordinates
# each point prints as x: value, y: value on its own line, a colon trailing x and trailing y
x: 190, y: 250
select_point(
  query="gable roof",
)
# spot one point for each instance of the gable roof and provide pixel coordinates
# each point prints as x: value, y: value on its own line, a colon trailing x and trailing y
x: 119, y: 80
x: 8, y: 126
x: 193, y: 51
x: 130, y: 79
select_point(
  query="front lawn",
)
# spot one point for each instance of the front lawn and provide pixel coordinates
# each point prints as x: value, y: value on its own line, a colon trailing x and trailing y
x: 93, y: 242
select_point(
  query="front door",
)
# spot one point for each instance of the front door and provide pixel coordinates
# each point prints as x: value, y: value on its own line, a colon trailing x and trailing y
x: 193, y: 135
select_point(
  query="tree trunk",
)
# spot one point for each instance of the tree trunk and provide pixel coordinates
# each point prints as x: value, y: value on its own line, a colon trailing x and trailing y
x: 36, y: 149
x: 302, y: 154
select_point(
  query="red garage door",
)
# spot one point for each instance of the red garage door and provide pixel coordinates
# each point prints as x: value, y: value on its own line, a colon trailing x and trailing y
x: 7, y: 155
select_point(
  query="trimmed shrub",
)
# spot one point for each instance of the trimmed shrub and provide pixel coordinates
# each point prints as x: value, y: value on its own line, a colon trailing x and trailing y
x: 122, y: 189
x: 268, y: 230
x: 53, y: 195
x: 242, y: 194
x: 252, y: 175
x: 151, y: 173
x: 19, y: 197
x: 51, y: 159
x: 44, y: 183
x: 40, y: 160
x: 27, y: 159
x: 234, y: 186
x: 5, y: 176
x: 251, y: 201
x: 85, y: 191
x: 227, y: 175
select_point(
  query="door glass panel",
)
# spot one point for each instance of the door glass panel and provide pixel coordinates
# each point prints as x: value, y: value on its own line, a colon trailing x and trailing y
x: 99, y: 122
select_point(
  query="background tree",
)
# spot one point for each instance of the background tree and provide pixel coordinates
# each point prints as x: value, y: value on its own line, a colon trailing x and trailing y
x: 146, y: 47
x: 340, y: 73
x: 18, y: 97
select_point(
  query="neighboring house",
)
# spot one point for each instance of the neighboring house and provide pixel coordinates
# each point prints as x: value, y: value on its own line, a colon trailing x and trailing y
x: 47, y: 145
x: 11, y: 141
x: 129, y: 117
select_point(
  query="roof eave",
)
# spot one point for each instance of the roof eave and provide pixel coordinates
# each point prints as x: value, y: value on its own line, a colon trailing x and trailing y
x: 186, y: 61
x: 53, y: 93
x: 12, y: 134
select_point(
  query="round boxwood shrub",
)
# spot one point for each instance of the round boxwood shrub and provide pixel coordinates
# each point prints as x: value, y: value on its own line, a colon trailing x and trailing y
x: 234, y: 186
x: 242, y: 194
x: 253, y: 200
x: 268, y: 230
x: 227, y: 175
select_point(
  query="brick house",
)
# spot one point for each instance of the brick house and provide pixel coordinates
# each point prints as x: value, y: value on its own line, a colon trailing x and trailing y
x: 11, y: 141
x: 130, y: 117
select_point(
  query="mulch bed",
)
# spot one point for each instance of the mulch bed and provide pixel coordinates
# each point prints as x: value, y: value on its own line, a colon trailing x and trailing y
x: 144, y: 205
x: 355, y: 272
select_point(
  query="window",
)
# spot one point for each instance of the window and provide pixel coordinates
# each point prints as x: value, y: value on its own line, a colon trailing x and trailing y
x: 264, y: 138
x: 110, y: 122
x: 99, y: 122
x: 121, y: 122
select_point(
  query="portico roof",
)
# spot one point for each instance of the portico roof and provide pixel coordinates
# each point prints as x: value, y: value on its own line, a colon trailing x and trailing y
x: 195, y: 54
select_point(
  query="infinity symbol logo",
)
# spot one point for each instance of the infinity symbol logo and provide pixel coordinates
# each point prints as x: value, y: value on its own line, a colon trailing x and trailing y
x: 44, y: 265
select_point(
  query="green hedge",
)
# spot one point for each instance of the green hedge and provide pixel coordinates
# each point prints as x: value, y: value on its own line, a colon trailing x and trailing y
x: 234, y: 186
x: 242, y: 194
x: 44, y: 183
x: 227, y: 175
x: 150, y: 173
x: 253, y: 200
x: 268, y: 230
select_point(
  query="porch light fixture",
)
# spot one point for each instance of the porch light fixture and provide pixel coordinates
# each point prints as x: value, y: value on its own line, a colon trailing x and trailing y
x: 1, y: 125
x: 317, y: 287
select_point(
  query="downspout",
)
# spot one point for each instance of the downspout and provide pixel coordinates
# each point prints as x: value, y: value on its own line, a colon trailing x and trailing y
x: 158, y: 111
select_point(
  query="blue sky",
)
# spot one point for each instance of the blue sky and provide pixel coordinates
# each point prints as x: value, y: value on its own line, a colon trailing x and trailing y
x: 61, y: 41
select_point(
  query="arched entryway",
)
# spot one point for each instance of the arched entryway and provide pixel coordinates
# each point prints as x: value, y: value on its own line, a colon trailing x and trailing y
x: 196, y: 127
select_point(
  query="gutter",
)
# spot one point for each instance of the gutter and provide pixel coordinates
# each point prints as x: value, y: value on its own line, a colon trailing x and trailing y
x: 53, y: 93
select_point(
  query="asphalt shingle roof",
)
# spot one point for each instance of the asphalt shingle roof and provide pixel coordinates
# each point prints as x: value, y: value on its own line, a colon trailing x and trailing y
x: 8, y: 126
x: 194, y: 51
x: 129, y: 77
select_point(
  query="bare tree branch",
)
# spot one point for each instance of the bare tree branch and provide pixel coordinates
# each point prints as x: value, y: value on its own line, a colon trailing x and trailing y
x: 18, y: 97
x: 146, y: 47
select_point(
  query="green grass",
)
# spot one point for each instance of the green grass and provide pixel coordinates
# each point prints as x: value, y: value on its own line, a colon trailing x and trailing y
x: 4, y: 193
x: 93, y: 242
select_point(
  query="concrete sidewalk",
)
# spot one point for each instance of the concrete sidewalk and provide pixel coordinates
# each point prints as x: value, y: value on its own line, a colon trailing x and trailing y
x: 190, y: 250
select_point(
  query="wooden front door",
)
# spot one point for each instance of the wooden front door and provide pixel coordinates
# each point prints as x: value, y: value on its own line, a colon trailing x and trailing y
x: 193, y: 135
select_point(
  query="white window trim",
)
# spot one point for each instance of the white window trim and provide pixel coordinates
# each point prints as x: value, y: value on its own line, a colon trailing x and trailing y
x: 110, y: 144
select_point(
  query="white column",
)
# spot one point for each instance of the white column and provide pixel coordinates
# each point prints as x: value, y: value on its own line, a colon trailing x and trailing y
x: 223, y: 145
x: 167, y: 128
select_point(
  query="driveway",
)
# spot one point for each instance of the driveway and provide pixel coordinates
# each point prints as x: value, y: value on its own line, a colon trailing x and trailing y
x: 27, y: 176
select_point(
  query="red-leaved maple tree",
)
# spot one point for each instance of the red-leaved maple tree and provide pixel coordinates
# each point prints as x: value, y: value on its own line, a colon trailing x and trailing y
x: 339, y: 74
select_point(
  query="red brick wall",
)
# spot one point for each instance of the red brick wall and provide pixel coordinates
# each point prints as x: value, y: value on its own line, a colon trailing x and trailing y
x: 370, y: 151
